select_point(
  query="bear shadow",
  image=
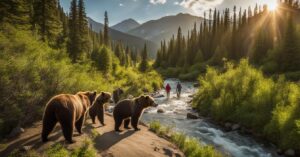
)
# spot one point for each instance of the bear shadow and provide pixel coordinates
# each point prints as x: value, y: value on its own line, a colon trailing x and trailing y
x: 108, y: 139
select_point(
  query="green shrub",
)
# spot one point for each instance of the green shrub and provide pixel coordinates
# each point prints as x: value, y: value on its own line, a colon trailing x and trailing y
x: 57, y: 150
x: 243, y: 95
x: 191, y: 147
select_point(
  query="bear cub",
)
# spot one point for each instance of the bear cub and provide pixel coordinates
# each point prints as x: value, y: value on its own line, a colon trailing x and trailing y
x: 131, y: 110
x: 97, y: 108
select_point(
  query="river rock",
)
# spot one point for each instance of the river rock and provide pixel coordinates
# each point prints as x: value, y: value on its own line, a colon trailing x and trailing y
x: 228, y: 125
x: 192, y: 116
x: 290, y: 152
x: 158, y: 96
x: 191, y: 96
x: 25, y: 148
x: 196, y: 85
x: 235, y: 127
x: 160, y: 110
x: 16, y: 132
x: 130, y: 97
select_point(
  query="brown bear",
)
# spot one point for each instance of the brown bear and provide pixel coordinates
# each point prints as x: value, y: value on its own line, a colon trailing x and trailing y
x: 69, y: 110
x: 117, y: 95
x: 131, y: 109
x: 97, y: 109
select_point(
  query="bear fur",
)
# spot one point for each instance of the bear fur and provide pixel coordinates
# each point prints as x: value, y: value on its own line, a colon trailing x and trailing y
x: 69, y: 110
x: 117, y: 95
x: 97, y: 109
x: 131, y: 110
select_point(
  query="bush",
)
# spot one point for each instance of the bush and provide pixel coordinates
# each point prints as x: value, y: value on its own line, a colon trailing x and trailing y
x: 243, y: 95
x: 191, y: 147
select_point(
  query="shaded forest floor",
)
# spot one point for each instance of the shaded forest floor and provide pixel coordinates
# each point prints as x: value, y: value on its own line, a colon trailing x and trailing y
x: 106, y: 141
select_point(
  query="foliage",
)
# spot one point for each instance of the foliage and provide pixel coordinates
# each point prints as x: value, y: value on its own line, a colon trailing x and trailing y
x: 102, y: 59
x: 191, y: 147
x: 243, y: 95
x: 31, y: 73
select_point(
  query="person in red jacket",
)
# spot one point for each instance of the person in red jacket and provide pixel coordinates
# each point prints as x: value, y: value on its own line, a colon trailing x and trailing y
x: 168, y: 90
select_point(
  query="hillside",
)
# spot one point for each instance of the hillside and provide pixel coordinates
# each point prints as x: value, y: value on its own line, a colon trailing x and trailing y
x: 165, y: 27
x: 126, y: 25
x: 127, y: 39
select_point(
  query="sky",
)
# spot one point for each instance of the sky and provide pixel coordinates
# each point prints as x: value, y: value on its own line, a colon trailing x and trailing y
x: 145, y: 10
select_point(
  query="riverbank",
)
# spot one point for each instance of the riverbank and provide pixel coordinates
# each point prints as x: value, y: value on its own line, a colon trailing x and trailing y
x: 105, y: 142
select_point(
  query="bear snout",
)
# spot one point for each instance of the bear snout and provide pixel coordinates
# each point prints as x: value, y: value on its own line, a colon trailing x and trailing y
x: 154, y: 104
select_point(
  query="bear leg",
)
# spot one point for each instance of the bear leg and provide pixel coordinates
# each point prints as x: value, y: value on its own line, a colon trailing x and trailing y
x: 134, y: 123
x: 67, y: 124
x: 79, y: 123
x: 126, y: 124
x: 118, y: 123
x: 48, y: 125
x: 100, y: 116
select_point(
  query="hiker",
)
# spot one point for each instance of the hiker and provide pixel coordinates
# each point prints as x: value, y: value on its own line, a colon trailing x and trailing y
x: 168, y: 90
x: 178, y: 89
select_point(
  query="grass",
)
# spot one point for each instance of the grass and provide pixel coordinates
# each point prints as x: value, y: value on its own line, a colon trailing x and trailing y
x: 191, y: 147
x: 58, y: 150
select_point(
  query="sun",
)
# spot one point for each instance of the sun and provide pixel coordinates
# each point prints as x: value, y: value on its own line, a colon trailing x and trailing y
x: 272, y: 5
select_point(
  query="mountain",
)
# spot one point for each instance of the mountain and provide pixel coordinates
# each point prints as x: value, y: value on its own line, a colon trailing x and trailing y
x: 126, y: 25
x: 165, y: 27
x: 127, y: 39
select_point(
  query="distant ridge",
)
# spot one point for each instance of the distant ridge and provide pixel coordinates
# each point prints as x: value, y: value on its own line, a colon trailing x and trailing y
x: 127, y: 39
x: 165, y: 27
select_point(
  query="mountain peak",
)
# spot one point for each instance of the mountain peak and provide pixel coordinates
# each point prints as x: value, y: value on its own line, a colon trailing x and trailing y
x: 126, y: 25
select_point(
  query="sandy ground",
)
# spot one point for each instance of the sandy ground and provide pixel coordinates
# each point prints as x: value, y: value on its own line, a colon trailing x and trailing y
x: 108, y: 144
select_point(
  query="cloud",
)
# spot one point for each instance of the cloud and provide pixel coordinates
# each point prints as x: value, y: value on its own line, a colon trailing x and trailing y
x: 198, y: 6
x: 121, y: 4
x: 158, y: 1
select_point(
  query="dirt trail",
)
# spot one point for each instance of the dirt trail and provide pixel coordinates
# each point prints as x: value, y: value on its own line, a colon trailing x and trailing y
x: 108, y: 144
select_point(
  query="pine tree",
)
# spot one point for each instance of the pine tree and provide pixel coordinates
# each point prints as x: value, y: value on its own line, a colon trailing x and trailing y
x: 103, y: 60
x: 73, y: 43
x: 144, y: 65
x: 106, y: 27
x: 16, y: 12
x: 47, y: 18
x: 290, y: 53
x: 84, y: 43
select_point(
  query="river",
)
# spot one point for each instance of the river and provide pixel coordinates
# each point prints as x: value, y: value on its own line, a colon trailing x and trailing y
x: 231, y: 143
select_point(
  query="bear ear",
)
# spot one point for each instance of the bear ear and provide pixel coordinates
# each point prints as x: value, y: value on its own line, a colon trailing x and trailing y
x: 95, y: 93
x: 142, y: 96
x: 147, y: 97
x: 102, y: 93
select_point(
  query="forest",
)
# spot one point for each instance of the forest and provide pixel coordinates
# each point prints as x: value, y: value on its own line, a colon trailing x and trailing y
x: 269, y: 39
x: 45, y: 52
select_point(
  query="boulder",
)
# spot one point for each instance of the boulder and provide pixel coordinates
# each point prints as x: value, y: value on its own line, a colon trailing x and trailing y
x: 192, y: 116
x: 160, y: 110
x: 16, y: 132
x: 196, y: 85
x: 290, y: 152
x: 235, y: 127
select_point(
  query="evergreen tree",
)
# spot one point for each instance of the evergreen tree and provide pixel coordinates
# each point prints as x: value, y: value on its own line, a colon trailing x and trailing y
x: 16, y: 12
x: 47, y: 20
x: 84, y: 43
x: 106, y: 27
x: 290, y: 53
x: 73, y: 42
x: 144, y: 65
x: 102, y: 59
